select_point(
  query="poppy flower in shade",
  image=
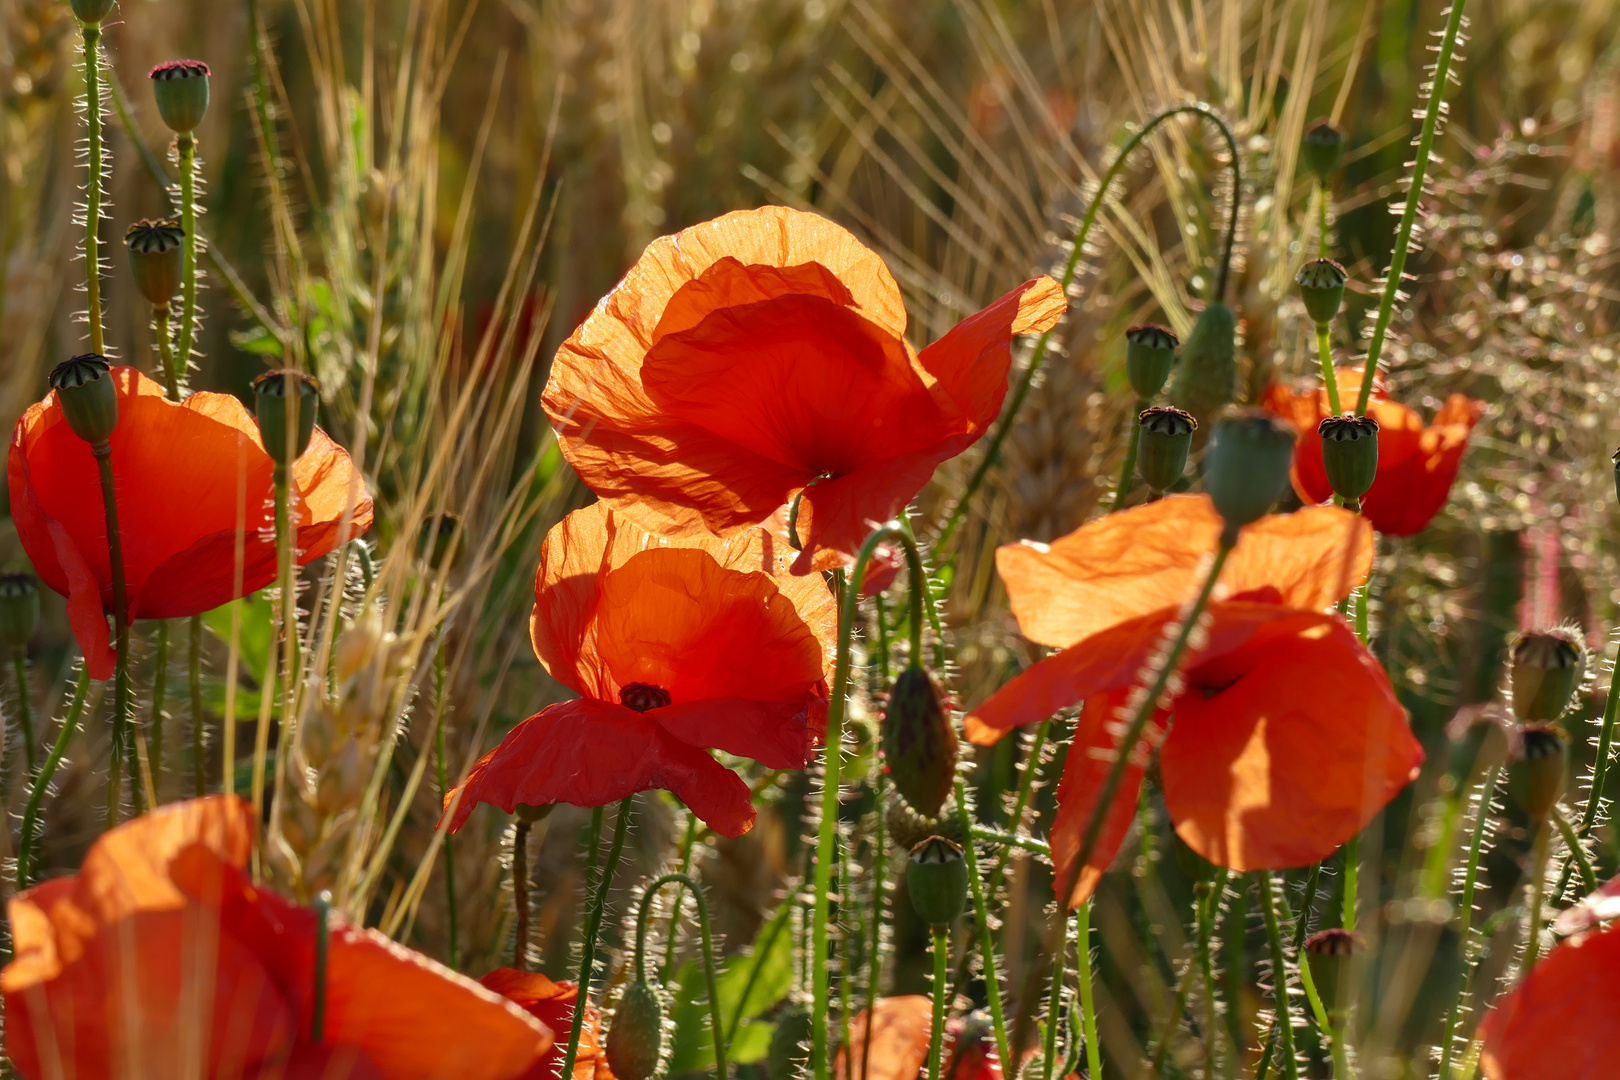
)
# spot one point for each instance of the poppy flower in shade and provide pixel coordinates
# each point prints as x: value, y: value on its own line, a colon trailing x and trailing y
x: 676, y: 648
x: 1417, y: 462
x: 193, y: 481
x: 1273, y: 680
x: 552, y: 1003
x: 160, y: 958
x: 762, y: 355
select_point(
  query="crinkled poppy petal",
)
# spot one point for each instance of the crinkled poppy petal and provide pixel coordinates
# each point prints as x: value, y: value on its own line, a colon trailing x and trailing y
x: 552, y: 1003
x: 777, y: 734
x: 838, y: 514
x: 1558, y: 1023
x: 590, y: 753
x: 128, y: 868
x: 1408, y: 494
x: 85, y: 612
x: 1285, y: 748
x: 897, y: 1047
x: 971, y: 359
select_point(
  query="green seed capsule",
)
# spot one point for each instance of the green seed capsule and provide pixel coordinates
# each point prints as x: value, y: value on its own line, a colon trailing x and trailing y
x: 790, y: 1044
x: 1350, y: 455
x: 1329, y: 952
x: 1206, y: 378
x: 1246, y: 468
x: 156, y: 259
x: 937, y: 879
x: 919, y: 744
x: 1321, y: 286
x: 635, y: 1040
x: 181, y: 90
x: 19, y: 611
x: 1162, y: 445
x: 89, y: 400
x: 1321, y: 150
x: 1150, y: 353
x: 1536, y: 771
x: 91, y: 12
x: 285, y: 403
x: 1547, y: 666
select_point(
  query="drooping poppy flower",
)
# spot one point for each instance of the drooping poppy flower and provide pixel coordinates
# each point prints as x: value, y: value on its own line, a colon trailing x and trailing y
x: 899, y: 1044
x: 762, y: 355
x: 552, y: 1003
x: 160, y: 958
x: 193, y: 481
x: 1417, y: 462
x: 1287, y: 738
x: 676, y: 648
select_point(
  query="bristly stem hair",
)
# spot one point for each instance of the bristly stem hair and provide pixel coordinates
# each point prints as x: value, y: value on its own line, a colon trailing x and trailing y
x: 92, y: 186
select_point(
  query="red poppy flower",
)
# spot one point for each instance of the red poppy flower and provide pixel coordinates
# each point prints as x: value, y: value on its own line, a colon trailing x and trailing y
x: 1417, y: 462
x: 761, y: 355
x: 676, y: 648
x: 160, y: 958
x: 1272, y: 679
x: 552, y: 1003
x: 899, y: 1044
x: 193, y: 481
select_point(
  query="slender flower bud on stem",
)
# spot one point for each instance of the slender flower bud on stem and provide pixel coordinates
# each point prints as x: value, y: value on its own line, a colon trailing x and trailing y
x: 645, y: 1038
x: 157, y: 263
x: 180, y: 88
x: 286, y: 403
x: 919, y: 743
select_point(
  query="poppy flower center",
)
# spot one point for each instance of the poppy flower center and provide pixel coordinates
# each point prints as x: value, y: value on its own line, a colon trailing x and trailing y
x: 642, y: 696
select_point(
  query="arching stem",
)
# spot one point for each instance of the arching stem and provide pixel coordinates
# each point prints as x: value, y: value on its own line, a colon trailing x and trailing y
x: 42, y: 782
x: 710, y: 982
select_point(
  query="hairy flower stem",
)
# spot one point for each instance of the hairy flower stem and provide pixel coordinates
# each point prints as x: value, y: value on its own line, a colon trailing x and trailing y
x: 708, y: 957
x: 1279, y: 976
x: 593, y: 927
x: 92, y: 186
x: 1205, y: 910
x: 186, y: 145
x: 874, y: 945
x: 1054, y: 1006
x: 1324, y: 351
x: 121, y: 687
x: 673, y: 933
x: 981, y: 918
x: 1465, y: 915
x: 439, y: 693
x: 1336, y: 1033
x: 936, y: 1030
x: 1600, y: 768
x: 42, y: 782
x: 1323, y: 196
x: 199, y: 719
x: 1088, y: 1001
x: 1414, y: 195
x: 1538, y: 895
x: 1577, y: 854
x: 160, y: 326
x: 25, y: 708
x: 160, y: 687
x: 289, y: 590
x: 520, y: 889
x: 1153, y: 1067
x: 1127, y: 471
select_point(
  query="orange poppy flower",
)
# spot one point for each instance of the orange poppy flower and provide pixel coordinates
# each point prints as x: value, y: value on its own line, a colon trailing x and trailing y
x: 160, y: 958
x: 761, y: 355
x: 899, y: 1044
x: 1272, y: 678
x: 193, y: 481
x: 676, y: 648
x: 552, y: 1003
x: 1417, y: 462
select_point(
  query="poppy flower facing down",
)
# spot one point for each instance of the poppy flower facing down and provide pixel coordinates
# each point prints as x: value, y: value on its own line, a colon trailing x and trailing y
x: 762, y: 355
x: 193, y: 481
x: 1287, y: 738
x: 160, y: 958
x: 552, y: 1003
x: 676, y: 648
x: 1417, y: 462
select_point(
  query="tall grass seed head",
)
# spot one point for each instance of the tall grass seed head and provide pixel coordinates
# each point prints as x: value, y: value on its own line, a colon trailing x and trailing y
x: 1321, y: 150
x: 286, y: 403
x: 1246, y: 468
x: 19, y: 611
x: 1349, y: 454
x: 89, y: 400
x: 1150, y: 353
x: 156, y: 258
x: 1547, y: 666
x: 181, y: 90
x: 1206, y: 378
x: 635, y: 1037
x: 1537, y: 770
x: 937, y: 879
x: 1321, y: 286
x: 1163, y: 442
x: 919, y: 743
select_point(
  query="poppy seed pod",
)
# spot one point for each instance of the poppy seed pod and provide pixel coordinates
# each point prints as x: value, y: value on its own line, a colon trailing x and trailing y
x: 1536, y: 771
x: 19, y: 610
x: 1321, y: 150
x: 1547, y: 666
x: 919, y: 744
x: 1329, y: 953
x: 937, y: 879
x: 91, y: 12
x: 84, y: 388
x: 1150, y: 353
x: 286, y: 429
x: 1321, y: 286
x: 156, y: 258
x: 1162, y: 444
x: 435, y: 536
x: 181, y: 90
x: 1350, y: 455
x: 790, y: 1042
x: 635, y: 1039
x: 1206, y: 379
x: 1246, y: 469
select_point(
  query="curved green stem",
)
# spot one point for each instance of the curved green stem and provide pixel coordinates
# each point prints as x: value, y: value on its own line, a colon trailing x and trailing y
x: 121, y: 688
x: 1088, y: 1003
x: 1577, y: 854
x: 1465, y: 911
x: 199, y: 718
x: 708, y: 957
x: 439, y: 693
x: 673, y: 933
x: 160, y: 327
x: 92, y: 187
x: 936, y: 1030
x: 42, y: 782
x: 1279, y: 976
x: 1127, y: 472
x: 593, y: 926
x: 187, y: 145
x: 25, y: 707
x: 1324, y: 352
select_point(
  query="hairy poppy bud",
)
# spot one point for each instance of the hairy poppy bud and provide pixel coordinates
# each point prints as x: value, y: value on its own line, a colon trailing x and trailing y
x: 1321, y: 286
x: 635, y: 1041
x: 156, y: 259
x: 285, y: 403
x: 1162, y: 444
x: 790, y: 1043
x: 1150, y: 352
x: 919, y: 744
x: 90, y: 12
x: 1321, y: 150
x: 1350, y: 455
x: 1547, y: 666
x: 181, y: 90
x: 1206, y: 379
x: 1329, y: 953
x: 907, y: 828
x: 433, y: 539
x: 1246, y: 469
x: 1536, y: 771
x: 84, y: 388
x: 937, y: 879
x: 19, y: 610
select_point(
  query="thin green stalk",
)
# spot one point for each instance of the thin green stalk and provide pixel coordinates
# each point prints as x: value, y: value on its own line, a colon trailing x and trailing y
x: 1322, y: 197
x: 160, y: 687
x: 1336, y: 1033
x: 1088, y: 1002
x: 25, y: 708
x: 593, y: 926
x: 121, y: 687
x: 1205, y: 911
x: 1279, y: 976
x: 1171, y: 1022
x: 1054, y: 1006
x: 708, y: 958
x: 92, y: 187
x: 1414, y: 195
x: 1465, y: 914
x: 1538, y: 895
x: 42, y: 782
x: 323, y: 925
x: 160, y: 326
x: 1127, y: 472
x: 1010, y: 841
x: 1577, y: 853
x: 520, y: 893
x: 673, y: 934
x: 199, y: 719
x: 981, y: 918
x: 1600, y: 768
x: 289, y: 591
x: 444, y: 790
x: 1324, y: 352
x: 936, y: 1030
x: 186, y: 144
x: 874, y: 945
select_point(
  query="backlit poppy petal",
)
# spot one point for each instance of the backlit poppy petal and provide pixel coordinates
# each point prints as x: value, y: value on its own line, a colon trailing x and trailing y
x: 778, y: 735
x: 552, y: 1003
x: 1558, y: 1023
x: 898, y: 1046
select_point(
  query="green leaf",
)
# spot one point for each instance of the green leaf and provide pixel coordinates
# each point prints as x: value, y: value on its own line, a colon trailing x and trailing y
x: 256, y: 340
x: 253, y: 647
x: 772, y: 954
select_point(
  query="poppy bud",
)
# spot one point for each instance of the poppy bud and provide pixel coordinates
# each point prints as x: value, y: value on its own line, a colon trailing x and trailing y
x: 907, y: 828
x: 790, y: 1042
x: 1150, y: 352
x: 90, y: 12
x: 919, y: 744
x: 433, y: 539
x: 156, y: 259
x: 1547, y: 666
x: 1329, y: 953
x: 1246, y: 468
x: 19, y: 610
x: 1321, y: 286
x: 1536, y: 772
x: 1206, y: 379
x: 89, y: 400
x: 181, y: 90
x: 635, y: 1041
x: 937, y: 879
x: 1350, y: 455
x: 273, y: 391
x: 1321, y: 150
x: 1162, y: 445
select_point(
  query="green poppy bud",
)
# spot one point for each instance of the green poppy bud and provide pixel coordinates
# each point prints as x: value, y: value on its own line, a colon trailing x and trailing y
x: 439, y: 530
x: 937, y: 879
x: 1329, y: 953
x: 1350, y: 455
x: 19, y: 610
x: 91, y: 12
x: 1321, y: 286
x: 181, y: 90
x: 1321, y: 150
x: 1150, y: 353
x: 635, y: 1039
x: 1536, y: 771
x: 919, y: 744
x: 286, y: 402
x: 790, y: 1043
x: 156, y: 258
x: 1246, y: 468
x: 89, y: 400
x: 1547, y: 666
x: 1162, y: 444
x: 1206, y: 379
